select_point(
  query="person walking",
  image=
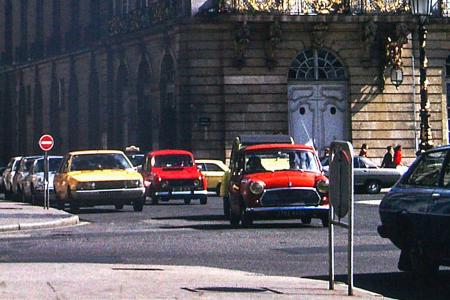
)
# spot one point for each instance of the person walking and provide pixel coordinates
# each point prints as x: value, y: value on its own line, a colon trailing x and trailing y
x: 363, y: 150
x: 398, y: 155
x: 388, y: 160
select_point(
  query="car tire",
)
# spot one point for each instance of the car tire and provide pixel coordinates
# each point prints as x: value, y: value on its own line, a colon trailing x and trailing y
x: 235, y: 219
x: 422, y: 264
x: 138, y: 205
x: 74, y: 205
x: 404, y: 261
x: 325, y: 221
x: 118, y: 205
x: 218, y: 189
x: 23, y: 197
x: 246, y: 219
x: 226, y: 207
x: 187, y: 201
x: 155, y: 200
x: 373, y: 187
x: 306, y: 220
x: 203, y: 200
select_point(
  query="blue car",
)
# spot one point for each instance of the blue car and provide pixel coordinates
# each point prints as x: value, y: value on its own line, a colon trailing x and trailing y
x: 415, y: 214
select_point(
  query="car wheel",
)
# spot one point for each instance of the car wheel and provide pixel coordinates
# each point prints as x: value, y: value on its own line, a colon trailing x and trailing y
x: 23, y: 197
x: 138, y: 204
x: 306, y: 219
x: 74, y: 205
x: 226, y: 207
x: 203, y: 200
x: 404, y: 261
x: 155, y: 200
x: 235, y: 219
x: 218, y: 189
x: 187, y: 201
x: 421, y: 263
x: 373, y: 187
x: 118, y: 205
x: 324, y: 220
x: 246, y: 219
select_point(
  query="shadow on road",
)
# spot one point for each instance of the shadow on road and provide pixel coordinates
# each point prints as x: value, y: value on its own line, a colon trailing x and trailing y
x: 401, y: 285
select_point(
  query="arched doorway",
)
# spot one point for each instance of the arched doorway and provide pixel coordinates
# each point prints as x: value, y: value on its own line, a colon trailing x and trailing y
x: 317, y: 95
x: 168, y: 109
x: 144, y: 107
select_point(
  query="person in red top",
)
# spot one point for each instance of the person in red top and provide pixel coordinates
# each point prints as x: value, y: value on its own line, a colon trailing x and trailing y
x: 398, y: 155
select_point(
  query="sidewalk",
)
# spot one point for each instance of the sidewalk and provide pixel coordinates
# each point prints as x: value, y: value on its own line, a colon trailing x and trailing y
x: 106, y: 281
x: 22, y: 216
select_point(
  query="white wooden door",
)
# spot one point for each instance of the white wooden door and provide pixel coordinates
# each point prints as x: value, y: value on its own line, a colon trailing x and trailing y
x: 318, y: 113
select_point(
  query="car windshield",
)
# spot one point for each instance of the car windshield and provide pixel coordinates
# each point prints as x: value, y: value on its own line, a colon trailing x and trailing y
x: 136, y: 159
x: 53, y: 165
x: 280, y: 159
x: 100, y: 161
x: 174, y: 160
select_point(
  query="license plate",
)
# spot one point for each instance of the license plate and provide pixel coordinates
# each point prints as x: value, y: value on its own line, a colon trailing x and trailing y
x: 180, y: 189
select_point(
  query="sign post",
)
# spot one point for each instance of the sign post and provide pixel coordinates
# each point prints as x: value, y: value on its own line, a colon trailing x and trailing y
x: 341, y: 199
x: 46, y: 143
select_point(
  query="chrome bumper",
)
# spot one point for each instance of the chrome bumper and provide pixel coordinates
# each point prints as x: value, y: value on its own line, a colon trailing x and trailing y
x: 109, y: 194
x: 181, y: 193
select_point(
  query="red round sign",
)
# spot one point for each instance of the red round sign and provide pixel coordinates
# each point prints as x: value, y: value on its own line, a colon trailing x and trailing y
x: 46, y: 142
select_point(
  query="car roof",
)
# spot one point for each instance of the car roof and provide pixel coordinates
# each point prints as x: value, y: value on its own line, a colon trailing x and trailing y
x: 252, y: 139
x: 82, y: 152
x: 278, y: 146
x: 169, y: 152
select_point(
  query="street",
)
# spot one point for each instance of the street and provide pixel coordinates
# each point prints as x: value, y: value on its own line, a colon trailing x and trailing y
x: 197, y: 235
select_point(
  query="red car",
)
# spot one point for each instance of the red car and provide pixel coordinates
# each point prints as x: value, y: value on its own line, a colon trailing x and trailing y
x: 172, y: 174
x: 277, y: 181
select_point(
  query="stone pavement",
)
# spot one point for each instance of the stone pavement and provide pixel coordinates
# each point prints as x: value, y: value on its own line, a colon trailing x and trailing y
x: 22, y: 216
x: 107, y: 281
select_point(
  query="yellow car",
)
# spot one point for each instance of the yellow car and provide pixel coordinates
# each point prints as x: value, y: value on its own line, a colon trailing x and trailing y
x: 213, y: 170
x: 98, y: 177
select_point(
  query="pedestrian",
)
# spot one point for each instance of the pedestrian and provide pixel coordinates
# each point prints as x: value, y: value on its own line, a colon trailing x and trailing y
x: 388, y: 160
x: 363, y: 150
x: 398, y: 155
x: 325, y: 159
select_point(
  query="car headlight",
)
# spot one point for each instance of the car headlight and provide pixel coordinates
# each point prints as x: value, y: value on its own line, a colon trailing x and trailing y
x: 322, y: 186
x: 196, y: 182
x: 164, y: 184
x: 86, y: 186
x: 133, y: 183
x: 257, y: 187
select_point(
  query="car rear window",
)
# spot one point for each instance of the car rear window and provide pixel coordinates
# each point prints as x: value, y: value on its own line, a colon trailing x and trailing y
x: 53, y: 165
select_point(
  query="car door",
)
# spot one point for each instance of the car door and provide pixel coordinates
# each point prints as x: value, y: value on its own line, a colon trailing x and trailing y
x: 359, y: 172
x: 439, y: 212
x: 215, y: 174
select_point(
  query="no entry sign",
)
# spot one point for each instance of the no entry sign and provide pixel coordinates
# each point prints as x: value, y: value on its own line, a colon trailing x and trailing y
x: 46, y: 142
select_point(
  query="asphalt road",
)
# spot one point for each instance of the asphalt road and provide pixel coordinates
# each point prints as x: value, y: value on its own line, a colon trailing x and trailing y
x: 176, y: 234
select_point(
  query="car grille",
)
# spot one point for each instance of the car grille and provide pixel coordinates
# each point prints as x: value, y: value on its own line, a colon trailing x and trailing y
x: 288, y: 197
x: 104, y: 185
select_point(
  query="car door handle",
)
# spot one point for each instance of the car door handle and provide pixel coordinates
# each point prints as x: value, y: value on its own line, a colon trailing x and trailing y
x: 435, y: 196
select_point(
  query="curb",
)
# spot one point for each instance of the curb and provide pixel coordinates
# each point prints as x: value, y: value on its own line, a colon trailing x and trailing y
x: 73, y: 220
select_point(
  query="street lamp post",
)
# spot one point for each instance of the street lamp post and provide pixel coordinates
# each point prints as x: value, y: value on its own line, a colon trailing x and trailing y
x: 422, y: 9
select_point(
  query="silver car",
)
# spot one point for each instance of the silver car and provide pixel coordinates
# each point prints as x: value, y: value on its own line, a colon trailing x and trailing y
x: 8, y: 175
x: 33, y: 184
x: 370, y: 178
x: 24, y: 166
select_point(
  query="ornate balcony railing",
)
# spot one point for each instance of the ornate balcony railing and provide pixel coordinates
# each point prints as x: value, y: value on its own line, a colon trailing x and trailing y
x: 321, y: 7
x: 141, y: 18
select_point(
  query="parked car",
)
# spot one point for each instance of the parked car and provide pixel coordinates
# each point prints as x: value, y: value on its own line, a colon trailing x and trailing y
x: 277, y: 181
x: 98, y: 177
x: 172, y: 174
x: 213, y: 170
x: 415, y: 214
x: 8, y: 175
x: 17, y: 182
x: 369, y: 177
x: 2, y: 185
x: 33, y: 184
x: 240, y: 142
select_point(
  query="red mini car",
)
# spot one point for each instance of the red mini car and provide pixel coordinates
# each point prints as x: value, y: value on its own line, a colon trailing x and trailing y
x: 277, y: 181
x: 172, y: 174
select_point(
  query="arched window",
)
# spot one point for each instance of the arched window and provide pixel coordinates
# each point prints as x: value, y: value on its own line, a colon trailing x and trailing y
x: 315, y: 65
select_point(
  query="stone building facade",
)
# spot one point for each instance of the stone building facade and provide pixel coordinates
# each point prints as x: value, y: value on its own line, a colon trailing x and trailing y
x: 194, y: 74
